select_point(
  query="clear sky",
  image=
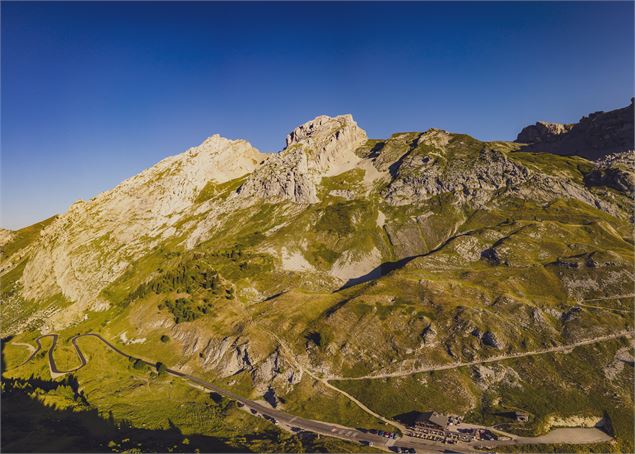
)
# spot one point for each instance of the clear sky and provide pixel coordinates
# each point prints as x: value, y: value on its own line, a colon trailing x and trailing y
x: 93, y: 93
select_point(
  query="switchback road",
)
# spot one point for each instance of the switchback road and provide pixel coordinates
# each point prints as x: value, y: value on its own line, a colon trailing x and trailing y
x: 286, y: 419
x: 320, y: 427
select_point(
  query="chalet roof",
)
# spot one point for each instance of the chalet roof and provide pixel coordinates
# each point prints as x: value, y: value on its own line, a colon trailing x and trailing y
x: 434, y: 418
x: 439, y: 420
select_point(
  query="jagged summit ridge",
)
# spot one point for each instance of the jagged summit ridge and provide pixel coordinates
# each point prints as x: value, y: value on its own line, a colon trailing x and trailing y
x: 324, y: 146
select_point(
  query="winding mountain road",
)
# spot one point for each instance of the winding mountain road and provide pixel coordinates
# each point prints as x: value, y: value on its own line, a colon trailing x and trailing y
x: 320, y: 427
x: 286, y: 419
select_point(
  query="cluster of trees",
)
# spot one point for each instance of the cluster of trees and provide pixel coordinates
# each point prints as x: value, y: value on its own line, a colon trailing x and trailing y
x: 185, y: 309
x: 233, y: 254
x: 187, y: 277
x: 137, y: 364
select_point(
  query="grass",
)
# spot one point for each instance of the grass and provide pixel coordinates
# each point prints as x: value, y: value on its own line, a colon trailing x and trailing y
x: 146, y: 400
x: 552, y: 384
x: 313, y: 400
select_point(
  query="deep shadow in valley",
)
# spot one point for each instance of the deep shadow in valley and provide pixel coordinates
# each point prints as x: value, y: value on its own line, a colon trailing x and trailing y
x: 30, y: 426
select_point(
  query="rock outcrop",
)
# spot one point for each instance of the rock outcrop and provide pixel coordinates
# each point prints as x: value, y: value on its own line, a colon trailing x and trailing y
x: 6, y: 236
x: 423, y: 172
x: 616, y: 171
x: 322, y: 147
x: 593, y: 137
x: 542, y: 132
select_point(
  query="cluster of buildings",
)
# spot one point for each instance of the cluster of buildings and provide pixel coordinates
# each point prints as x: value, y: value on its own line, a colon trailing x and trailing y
x: 439, y: 427
x: 445, y: 428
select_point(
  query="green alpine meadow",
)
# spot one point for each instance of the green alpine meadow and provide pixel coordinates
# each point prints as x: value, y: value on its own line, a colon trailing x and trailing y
x: 327, y: 298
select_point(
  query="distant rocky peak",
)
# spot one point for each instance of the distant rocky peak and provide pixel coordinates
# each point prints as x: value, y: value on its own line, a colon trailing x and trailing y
x: 542, y: 131
x: 323, y: 128
x: 214, y: 139
x: 594, y: 136
x: 435, y: 137
x: 218, y: 144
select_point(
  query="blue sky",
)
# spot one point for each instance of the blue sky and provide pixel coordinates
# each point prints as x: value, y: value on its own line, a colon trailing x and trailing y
x: 93, y: 93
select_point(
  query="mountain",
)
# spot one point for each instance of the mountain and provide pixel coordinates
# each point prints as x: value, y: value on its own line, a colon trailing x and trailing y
x: 594, y: 136
x: 343, y: 256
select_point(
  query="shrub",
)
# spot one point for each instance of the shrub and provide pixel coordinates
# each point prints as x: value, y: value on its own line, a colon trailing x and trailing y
x: 161, y: 368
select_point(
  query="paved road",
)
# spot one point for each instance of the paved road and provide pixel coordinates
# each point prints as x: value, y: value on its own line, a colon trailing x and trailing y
x: 52, y: 364
x: 291, y: 421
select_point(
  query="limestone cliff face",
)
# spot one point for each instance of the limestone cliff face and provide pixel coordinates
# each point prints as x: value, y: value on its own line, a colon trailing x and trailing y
x: 543, y: 132
x: 94, y: 242
x: 593, y: 137
x: 322, y: 147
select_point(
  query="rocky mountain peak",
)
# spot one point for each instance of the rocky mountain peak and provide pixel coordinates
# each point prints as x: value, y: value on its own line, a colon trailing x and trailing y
x: 542, y: 131
x: 96, y: 240
x: 435, y: 137
x: 329, y: 142
x: 594, y: 136
x: 322, y: 147
x: 320, y: 128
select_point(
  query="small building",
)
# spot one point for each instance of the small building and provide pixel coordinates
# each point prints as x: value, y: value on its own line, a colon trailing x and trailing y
x: 521, y: 416
x: 434, y: 420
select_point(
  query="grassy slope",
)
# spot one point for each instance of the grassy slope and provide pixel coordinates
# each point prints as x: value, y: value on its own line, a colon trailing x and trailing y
x: 24, y: 237
x: 143, y: 399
